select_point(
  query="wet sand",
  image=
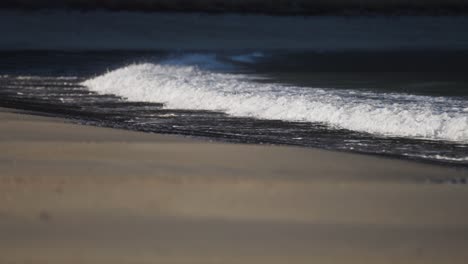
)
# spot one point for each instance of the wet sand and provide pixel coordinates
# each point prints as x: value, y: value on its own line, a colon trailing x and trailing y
x: 79, y: 194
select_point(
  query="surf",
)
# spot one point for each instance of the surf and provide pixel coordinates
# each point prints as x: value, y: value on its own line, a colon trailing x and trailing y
x: 189, y: 82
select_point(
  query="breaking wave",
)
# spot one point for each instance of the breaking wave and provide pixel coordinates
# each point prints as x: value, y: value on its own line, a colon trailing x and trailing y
x: 188, y: 82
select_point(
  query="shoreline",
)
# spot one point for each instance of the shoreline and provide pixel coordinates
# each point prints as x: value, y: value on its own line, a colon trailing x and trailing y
x: 143, y: 136
x: 81, y: 194
x: 80, y: 118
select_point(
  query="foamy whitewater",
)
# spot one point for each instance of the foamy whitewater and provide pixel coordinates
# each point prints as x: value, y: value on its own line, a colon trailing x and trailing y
x: 194, y: 82
x: 382, y: 85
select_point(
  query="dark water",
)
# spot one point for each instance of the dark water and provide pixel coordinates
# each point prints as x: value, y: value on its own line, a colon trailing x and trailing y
x: 366, y: 87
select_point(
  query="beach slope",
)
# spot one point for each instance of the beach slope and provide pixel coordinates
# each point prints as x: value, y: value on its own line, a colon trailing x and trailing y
x: 79, y: 194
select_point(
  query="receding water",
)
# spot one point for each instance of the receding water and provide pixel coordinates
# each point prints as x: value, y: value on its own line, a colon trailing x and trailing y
x: 407, y: 104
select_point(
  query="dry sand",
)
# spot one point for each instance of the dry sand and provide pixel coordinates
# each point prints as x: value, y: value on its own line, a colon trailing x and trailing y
x: 79, y: 194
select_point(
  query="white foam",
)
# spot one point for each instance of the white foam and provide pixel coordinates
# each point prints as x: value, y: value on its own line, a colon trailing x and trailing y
x: 33, y: 77
x: 181, y: 86
x: 439, y: 157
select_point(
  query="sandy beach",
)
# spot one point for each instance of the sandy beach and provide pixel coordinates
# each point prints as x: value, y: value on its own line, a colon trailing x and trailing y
x: 79, y: 194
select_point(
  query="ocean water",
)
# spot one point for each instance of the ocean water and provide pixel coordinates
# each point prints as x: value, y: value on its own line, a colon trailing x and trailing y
x: 398, y: 97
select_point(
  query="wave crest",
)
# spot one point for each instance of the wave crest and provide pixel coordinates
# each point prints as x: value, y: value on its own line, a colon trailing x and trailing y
x: 183, y: 86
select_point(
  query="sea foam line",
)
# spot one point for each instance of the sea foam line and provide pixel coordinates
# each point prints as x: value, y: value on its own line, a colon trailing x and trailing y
x: 182, y: 86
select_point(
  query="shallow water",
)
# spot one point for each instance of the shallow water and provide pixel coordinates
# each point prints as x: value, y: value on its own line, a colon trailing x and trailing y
x: 414, y: 106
